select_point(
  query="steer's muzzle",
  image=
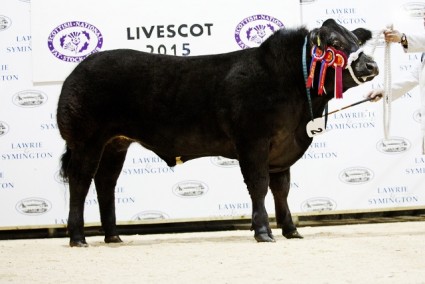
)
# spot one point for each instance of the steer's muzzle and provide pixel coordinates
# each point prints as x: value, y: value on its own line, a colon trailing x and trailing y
x: 372, y: 67
x: 366, y: 68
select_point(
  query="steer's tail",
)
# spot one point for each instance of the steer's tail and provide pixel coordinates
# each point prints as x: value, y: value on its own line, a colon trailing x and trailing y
x: 66, y: 157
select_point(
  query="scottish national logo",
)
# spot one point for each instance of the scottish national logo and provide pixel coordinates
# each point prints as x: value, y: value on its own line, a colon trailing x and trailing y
x: 254, y: 30
x: 74, y: 41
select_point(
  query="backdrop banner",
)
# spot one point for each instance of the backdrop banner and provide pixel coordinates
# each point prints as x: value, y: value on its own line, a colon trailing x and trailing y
x: 347, y: 169
x: 64, y: 37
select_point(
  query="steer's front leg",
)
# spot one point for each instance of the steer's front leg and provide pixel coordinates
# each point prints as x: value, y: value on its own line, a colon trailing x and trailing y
x: 253, y: 160
x: 260, y: 220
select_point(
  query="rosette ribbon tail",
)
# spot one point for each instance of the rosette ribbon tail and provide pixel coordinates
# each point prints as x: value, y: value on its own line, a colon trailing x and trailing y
x: 338, y: 82
x: 316, y: 55
x: 322, y: 76
x: 310, y: 77
x: 328, y: 60
x: 339, y: 65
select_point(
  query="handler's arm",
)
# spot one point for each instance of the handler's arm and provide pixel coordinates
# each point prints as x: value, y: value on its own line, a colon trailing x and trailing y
x: 415, y: 42
x: 401, y: 86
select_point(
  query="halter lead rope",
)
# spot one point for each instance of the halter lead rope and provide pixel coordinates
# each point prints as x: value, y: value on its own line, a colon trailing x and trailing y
x: 387, y: 100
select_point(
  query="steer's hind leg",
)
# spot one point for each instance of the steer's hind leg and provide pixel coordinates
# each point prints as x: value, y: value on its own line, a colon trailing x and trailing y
x: 110, y: 166
x: 279, y: 185
x: 253, y: 159
x: 81, y: 169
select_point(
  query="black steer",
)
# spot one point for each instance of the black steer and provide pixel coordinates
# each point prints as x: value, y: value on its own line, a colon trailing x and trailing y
x: 250, y: 105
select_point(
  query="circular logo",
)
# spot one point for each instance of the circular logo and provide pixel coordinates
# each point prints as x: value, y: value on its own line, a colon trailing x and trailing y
x: 318, y: 204
x: 4, y: 128
x: 33, y: 206
x: 254, y: 30
x: 5, y: 23
x: 356, y: 175
x: 74, y: 41
x: 150, y: 215
x: 29, y: 98
x: 414, y: 9
x: 224, y: 162
x: 190, y: 188
x: 393, y: 145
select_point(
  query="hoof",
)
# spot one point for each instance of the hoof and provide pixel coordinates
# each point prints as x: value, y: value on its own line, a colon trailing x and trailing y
x: 113, y: 239
x: 79, y: 244
x: 293, y: 235
x: 264, y: 237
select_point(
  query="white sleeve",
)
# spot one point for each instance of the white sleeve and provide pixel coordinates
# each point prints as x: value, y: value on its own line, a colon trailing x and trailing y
x: 415, y: 42
x: 406, y: 82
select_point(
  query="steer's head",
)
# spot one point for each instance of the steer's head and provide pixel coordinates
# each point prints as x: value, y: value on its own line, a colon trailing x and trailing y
x: 334, y: 37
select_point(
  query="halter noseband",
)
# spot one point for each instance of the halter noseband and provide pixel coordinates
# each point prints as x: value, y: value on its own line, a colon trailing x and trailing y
x: 353, y: 57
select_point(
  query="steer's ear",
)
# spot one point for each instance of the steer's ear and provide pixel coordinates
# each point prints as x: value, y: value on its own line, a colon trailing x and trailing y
x: 319, y: 38
x: 363, y: 35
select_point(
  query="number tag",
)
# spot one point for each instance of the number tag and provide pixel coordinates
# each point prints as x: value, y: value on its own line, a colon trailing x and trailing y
x: 316, y: 127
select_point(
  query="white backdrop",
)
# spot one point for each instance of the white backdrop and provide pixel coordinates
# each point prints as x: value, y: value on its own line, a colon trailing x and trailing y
x: 347, y: 169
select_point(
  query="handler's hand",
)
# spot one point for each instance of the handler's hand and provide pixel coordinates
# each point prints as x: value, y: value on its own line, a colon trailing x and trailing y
x: 392, y: 36
x: 375, y: 95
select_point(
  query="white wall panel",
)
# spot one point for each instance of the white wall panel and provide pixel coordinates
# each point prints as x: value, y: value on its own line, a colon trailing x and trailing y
x: 346, y: 169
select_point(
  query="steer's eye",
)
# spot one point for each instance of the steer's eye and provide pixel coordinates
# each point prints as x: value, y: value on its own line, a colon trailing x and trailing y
x: 337, y: 44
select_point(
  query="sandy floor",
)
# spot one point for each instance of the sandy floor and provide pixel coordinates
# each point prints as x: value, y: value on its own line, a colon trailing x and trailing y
x: 372, y: 253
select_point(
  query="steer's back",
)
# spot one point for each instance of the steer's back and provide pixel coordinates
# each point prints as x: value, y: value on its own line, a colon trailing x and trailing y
x: 146, y: 96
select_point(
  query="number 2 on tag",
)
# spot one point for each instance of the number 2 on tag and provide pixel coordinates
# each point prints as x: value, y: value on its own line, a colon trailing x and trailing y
x: 315, y: 127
